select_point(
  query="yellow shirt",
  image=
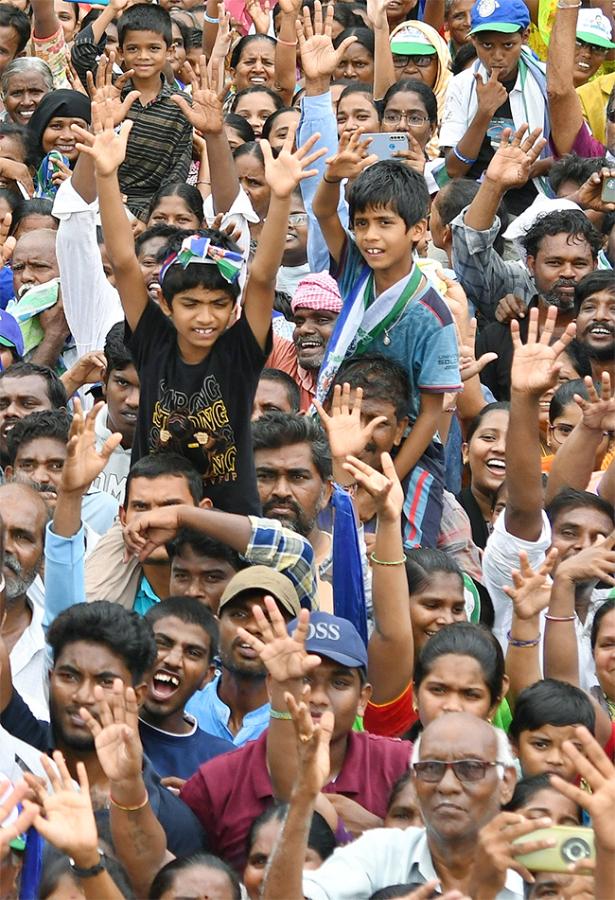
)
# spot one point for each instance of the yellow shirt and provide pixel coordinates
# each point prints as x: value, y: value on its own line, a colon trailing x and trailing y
x: 594, y: 97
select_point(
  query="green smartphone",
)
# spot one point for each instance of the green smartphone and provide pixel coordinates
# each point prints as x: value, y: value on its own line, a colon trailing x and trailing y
x: 608, y: 190
x: 573, y: 845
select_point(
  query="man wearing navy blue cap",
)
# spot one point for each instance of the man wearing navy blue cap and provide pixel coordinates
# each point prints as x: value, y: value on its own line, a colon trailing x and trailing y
x: 327, y: 653
x: 503, y: 89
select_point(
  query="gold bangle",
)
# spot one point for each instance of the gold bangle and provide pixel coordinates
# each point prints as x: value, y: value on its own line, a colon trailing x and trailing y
x: 130, y: 808
x: 387, y: 562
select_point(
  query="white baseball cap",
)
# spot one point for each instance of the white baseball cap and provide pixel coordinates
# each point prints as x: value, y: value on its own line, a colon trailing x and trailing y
x: 593, y: 27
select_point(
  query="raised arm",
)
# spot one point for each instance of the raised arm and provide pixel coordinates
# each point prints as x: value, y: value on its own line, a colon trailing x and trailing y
x: 384, y: 70
x: 391, y: 646
x: 565, y: 110
x: 206, y: 115
x: 350, y: 160
x: 530, y: 593
x: 574, y: 462
x: 283, y: 175
x: 534, y: 371
x: 44, y: 18
x: 286, y: 50
x: 490, y: 95
x: 108, y: 150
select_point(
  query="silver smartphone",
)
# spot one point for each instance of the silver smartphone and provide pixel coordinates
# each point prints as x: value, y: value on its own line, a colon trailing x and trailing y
x: 385, y: 145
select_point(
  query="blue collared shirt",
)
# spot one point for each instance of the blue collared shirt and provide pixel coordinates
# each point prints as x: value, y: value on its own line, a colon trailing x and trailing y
x: 213, y: 715
x: 145, y: 597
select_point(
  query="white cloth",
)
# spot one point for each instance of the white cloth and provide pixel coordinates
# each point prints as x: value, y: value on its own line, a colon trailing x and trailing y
x: 501, y: 556
x: 381, y: 857
x: 290, y: 276
x: 526, y: 105
x: 241, y: 215
x: 91, y: 304
x: 112, y: 479
x: 29, y: 665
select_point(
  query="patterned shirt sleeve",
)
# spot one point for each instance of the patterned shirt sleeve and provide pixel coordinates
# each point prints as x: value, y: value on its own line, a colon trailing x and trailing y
x: 55, y: 53
x: 273, y: 545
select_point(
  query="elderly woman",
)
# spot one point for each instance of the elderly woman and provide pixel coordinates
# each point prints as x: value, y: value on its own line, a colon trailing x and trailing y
x: 24, y: 83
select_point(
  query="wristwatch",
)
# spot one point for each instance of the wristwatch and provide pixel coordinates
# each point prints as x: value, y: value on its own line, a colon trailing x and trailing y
x: 100, y: 866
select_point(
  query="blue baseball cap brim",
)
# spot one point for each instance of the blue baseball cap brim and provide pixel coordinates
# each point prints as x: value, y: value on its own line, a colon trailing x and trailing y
x: 503, y: 27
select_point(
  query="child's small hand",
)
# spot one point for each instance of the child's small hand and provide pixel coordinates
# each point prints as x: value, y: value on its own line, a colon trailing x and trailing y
x: 104, y: 88
x: 351, y: 158
x: 289, y: 169
x: 107, y: 149
x: 206, y: 113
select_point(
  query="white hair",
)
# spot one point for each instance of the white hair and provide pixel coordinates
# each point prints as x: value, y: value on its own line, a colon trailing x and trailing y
x: 504, y: 752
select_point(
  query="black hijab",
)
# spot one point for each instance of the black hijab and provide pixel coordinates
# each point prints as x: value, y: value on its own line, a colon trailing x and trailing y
x: 64, y: 103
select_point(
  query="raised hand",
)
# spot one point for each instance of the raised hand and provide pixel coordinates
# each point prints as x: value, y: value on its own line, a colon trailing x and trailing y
x: 597, y: 770
x: 345, y: 431
x: 469, y: 366
x: 283, y: 655
x: 497, y: 851
x: 384, y: 487
x: 7, y: 244
x: 67, y: 820
x: 150, y: 530
x: 84, y: 462
x: 23, y: 821
x: 290, y: 168
x: 319, y: 58
x: 104, y: 145
x: 511, y: 164
x: 12, y: 170
x: 377, y: 14
x: 351, y: 158
x: 414, y: 157
x: 510, y: 307
x: 116, y: 734
x: 104, y: 88
x: 260, y: 15
x: 589, y: 195
x: 490, y: 94
x: 531, y: 591
x: 206, y: 113
x: 599, y: 410
x: 595, y: 563
x: 313, y: 743
x: 534, y: 366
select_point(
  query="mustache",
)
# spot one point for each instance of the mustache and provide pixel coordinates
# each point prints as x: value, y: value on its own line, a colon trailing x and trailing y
x: 291, y: 505
x: 12, y: 564
x: 44, y: 488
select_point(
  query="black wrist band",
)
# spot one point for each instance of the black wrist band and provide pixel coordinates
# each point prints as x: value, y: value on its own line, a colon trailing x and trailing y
x: 100, y: 866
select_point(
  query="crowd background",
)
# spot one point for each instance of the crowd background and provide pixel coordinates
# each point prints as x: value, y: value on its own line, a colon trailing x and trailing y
x: 307, y: 435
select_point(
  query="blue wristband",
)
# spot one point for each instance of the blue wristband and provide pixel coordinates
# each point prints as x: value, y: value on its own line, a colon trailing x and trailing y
x: 211, y: 19
x: 462, y: 158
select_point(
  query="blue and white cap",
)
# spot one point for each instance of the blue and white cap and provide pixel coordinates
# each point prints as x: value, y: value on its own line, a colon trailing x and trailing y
x: 335, y: 638
x: 506, y: 16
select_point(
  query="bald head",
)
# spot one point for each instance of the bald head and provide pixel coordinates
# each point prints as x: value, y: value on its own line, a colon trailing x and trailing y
x: 34, y: 259
x: 461, y: 730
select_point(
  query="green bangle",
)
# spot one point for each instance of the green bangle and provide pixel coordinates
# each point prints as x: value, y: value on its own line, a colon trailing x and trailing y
x: 387, y: 562
x: 278, y: 714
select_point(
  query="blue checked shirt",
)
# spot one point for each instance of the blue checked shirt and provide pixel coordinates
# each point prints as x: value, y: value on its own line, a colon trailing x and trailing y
x: 485, y: 276
x: 273, y: 545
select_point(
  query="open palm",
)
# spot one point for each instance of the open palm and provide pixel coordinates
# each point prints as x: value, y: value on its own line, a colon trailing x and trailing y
x: 531, y: 590
x: 68, y: 822
x: 116, y: 735
x: 319, y: 58
x: 104, y: 88
x: 206, y: 113
x: 511, y: 164
x: 283, y: 655
x: 106, y: 147
x: 599, y: 410
x: 345, y: 432
x: 84, y: 462
x: 535, y: 366
x: 290, y: 168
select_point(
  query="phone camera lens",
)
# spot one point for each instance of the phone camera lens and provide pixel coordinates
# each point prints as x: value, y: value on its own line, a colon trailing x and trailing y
x: 575, y: 849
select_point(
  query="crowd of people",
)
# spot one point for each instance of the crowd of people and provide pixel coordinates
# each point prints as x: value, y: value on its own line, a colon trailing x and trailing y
x: 307, y: 445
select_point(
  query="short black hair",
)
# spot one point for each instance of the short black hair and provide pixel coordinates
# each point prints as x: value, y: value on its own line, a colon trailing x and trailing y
x: 203, y: 545
x: 564, y: 396
x: 116, y: 352
x: 572, y: 167
x: 12, y: 130
x: 192, y: 612
x: 476, y: 421
x: 572, y: 222
x: 145, y: 17
x: 241, y: 126
x: 465, y: 54
x: 177, y: 278
x: 10, y: 17
x: 457, y: 194
x: 277, y: 429
x: 551, y: 702
x: 157, y: 464
x: 526, y: 788
x: 321, y: 838
x: 271, y: 120
x: 165, y: 876
x: 358, y: 87
x: 56, y: 391
x: 45, y: 423
x: 417, y: 87
x: 37, y: 206
x: 344, y: 15
x: 257, y: 89
x: 390, y: 184
x: 380, y: 377
x: 569, y: 498
x: 603, y: 610
x: 161, y: 230
x: 245, y: 42
x: 122, y: 631
x: 364, y: 37
x: 593, y: 283
x: 283, y: 378
x: 423, y: 562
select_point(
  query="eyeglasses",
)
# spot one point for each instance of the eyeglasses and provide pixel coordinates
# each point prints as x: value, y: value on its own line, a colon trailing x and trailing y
x: 298, y: 219
x: 433, y: 771
x: 392, y: 117
x: 610, y: 114
x: 401, y: 60
x: 593, y: 48
x: 562, y: 431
